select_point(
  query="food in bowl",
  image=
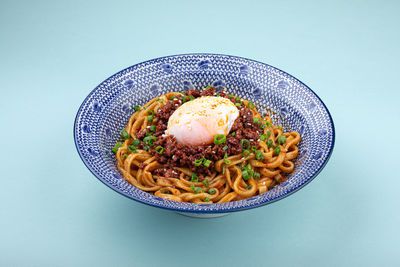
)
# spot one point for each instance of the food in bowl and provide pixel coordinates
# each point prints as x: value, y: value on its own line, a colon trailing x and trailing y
x: 204, y: 147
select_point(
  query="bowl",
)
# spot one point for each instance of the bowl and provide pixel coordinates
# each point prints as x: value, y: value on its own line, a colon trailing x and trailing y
x: 107, y: 109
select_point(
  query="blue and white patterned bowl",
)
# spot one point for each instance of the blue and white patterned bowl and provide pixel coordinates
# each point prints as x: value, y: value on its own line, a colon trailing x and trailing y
x: 107, y: 109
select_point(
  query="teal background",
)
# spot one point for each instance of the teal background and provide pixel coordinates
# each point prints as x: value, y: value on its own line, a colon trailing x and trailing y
x: 54, y: 212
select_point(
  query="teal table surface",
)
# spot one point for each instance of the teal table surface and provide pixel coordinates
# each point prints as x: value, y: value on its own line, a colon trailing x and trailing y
x: 54, y: 212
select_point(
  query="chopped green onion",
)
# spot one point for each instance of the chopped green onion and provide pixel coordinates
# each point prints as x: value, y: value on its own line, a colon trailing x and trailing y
x: 159, y: 150
x: 198, y: 189
x: 281, y: 139
x: 256, y: 120
x: 150, y: 118
x: 153, y: 128
x: 250, y: 105
x: 263, y: 137
x: 269, y: 124
x: 212, y: 191
x: 198, y: 162
x: 246, y: 175
x: 268, y: 134
x: 224, y: 148
x: 192, y: 187
x: 245, y: 141
x: 124, y: 134
x: 116, y: 147
x: 210, y: 86
x: 186, y: 98
x: 137, y: 108
x: 195, y: 178
x: 277, y: 150
x: 206, y: 182
x: 146, y: 148
x: 206, y: 199
x: 148, y: 134
x: 171, y: 97
x: 233, y: 133
x: 256, y: 175
x: 230, y: 95
x: 207, y: 163
x: 219, y: 139
x: 248, y: 187
x: 149, y: 140
x: 259, y: 154
x: 262, y: 126
x: 125, y: 156
x: 136, y: 142
x: 160, y: 100
x: 151, y: 113
x: 253, y: 148
x: 191, y: 97
x: 246, y: 153
x: 131, y: 149
x: 223, y: 169
x: 238, y: 104
x: 226, y: 160
x: 237, y: 99
x: 270, y: 143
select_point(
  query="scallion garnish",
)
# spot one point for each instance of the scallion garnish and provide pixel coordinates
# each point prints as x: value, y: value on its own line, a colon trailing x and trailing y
x: 233, y: 133
x: 159, y: 150
x: 270, y: 143
x: 136, y: 142
x: 171, y: 97
x: 281, y: 139
x: 256, y: 175
x: 245, y: 174
x: 248, y: 187
x: 198, y: 162
x: 212, y: 191
x: 263, y: 137
x: 256, y: 120
x: 150, y: 118
x: 238, y: 104
x: 153, y: 128
x: 253, y: 148
x: 250, y: 105
x: 269, y: 124
x: 206, y: 182
x: 124, y: 134
x: 146, y: 148
x: 277, y: 150
x: 198, y: 189
x: 149, y: 140
x: 192, y: 187
x: 245, y: 153
x: 224, y: 148
x: 207, y: 163
x: 262, y: 126
x: 195, y: 178
x: 131, y: 149
x: 259, y: 154
x: 137, y: 108
x: 219, y: 139
x: 226, y: 160
x: 116, y: 147
x: 160, y: 100
x: 206, y: 199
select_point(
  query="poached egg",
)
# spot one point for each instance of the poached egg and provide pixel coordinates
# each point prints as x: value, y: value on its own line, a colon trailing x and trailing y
x: 197, y: 122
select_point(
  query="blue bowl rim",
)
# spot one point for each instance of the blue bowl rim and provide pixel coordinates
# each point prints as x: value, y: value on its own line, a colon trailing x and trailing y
x: 226, y: 210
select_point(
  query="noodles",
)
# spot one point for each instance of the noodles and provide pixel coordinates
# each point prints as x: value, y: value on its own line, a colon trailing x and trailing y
x: 233, y: 169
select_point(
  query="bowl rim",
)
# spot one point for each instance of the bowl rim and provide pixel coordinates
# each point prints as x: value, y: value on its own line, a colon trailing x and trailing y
x: 225, y: 210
